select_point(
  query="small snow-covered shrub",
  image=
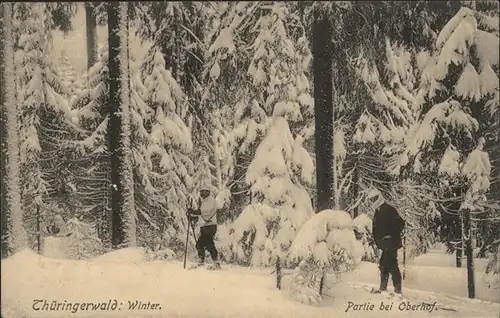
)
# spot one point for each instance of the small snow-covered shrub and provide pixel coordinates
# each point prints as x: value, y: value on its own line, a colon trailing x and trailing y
x: 224, y: 243
x: 172, y: 240
x: 363, y: 230
x: 81, y: 240
x: 492, y: 277
x: 324, y: 244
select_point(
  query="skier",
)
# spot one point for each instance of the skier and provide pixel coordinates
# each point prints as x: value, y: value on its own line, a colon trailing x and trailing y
x: 387, y: 228
x: 207, y: 213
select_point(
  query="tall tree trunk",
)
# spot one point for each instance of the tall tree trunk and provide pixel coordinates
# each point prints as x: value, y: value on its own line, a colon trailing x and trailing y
x: 13, y: 235
x: 337, y: 188
x: 456, y: 226
x: 5, y: 9
x: 174, y: 53
x: 458, y: 256
x: 355, y: 190
x: 216, y: 159
x: 122, y: 189
x: 91, y: 28
x: 323, y: 109
x: 38, y: 230
x: 468, y: 253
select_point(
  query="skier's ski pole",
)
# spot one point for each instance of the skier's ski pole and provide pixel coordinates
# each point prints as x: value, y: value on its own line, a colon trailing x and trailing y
x: 186, y: 247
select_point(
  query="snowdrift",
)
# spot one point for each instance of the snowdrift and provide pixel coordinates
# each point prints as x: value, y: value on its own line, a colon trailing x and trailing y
x: 232, y: 292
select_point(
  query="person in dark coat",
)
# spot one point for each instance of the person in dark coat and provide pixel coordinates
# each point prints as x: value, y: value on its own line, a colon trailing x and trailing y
x: 387, y: 228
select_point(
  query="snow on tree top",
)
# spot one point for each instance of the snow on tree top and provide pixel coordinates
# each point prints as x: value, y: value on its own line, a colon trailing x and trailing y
x: 453, y: 24
x: 477, y: 168
x: 488, y: 80
x: 456, y: 48
x: 459, y: 119
x: 224, y: 40
x: 468, y: 86
x: 487, y: 46
x: 363, y: 223
x: 450, y: 162
x: 316, y: 228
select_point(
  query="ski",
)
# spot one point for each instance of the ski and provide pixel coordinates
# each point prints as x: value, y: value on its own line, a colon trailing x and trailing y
x: 210, y: 267
x: 384, y: 293
x: 195, y: 266
x: 213, y: 267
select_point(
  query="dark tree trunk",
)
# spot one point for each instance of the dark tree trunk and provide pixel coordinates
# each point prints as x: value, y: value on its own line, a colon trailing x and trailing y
x: 91, y: 28
x: 458, y: 256
x: 4, y: 220
x: 4, y: 12
x: 323, y: 109
x: 122, y: 195
x: 468, y: 253
x: 404, y: 253
x: 355, y: 190
x: 38, y: 230
x: 278, y: 273
x: 454, y: 228
x: 10, y: 200
x: 459, y: 237
x: 174, y: 54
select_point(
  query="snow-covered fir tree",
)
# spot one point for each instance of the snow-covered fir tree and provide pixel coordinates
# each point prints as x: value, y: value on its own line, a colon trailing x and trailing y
x: 177, y: 31
x: 92, y: 168
x: 164, y: 151
x: 275, y: 103
x: 44, y: 111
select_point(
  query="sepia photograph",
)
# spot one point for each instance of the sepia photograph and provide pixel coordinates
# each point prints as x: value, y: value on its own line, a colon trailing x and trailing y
x: 234, y: 159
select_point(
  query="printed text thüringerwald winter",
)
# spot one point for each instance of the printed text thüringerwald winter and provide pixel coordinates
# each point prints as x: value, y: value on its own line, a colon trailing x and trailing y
x: 110, y: 305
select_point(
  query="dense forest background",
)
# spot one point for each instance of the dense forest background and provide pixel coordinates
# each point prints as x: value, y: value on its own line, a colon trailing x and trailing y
x: 115, y: 114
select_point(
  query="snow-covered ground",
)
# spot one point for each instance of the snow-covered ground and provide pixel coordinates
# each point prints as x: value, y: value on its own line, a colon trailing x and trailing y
x: 124, y: 276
